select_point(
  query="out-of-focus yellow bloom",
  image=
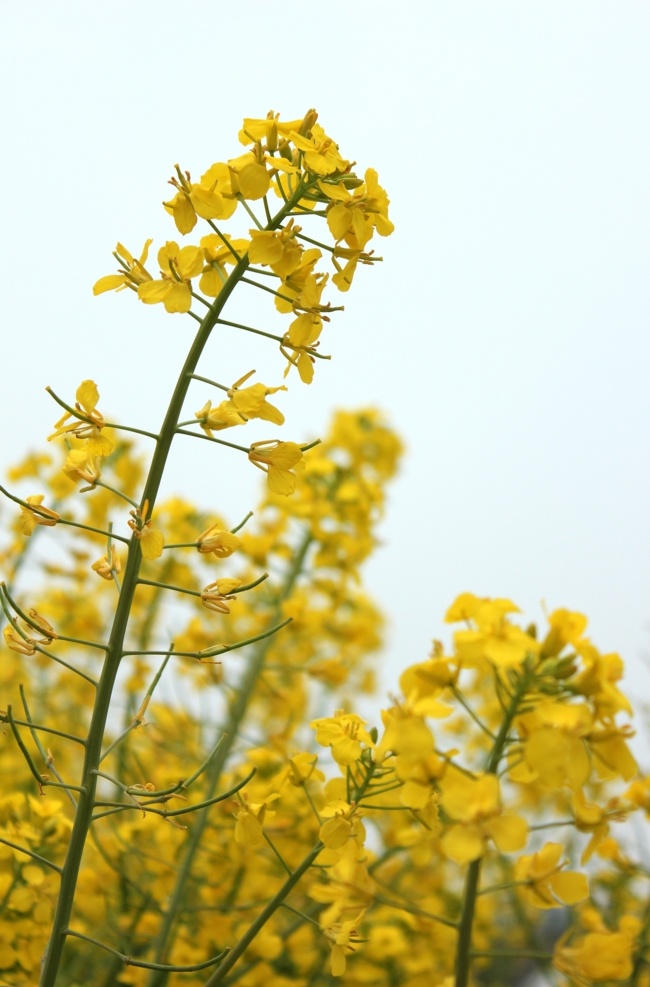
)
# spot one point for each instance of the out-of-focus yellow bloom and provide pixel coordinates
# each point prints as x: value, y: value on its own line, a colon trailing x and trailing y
x: 493, y: 638
x: 81, y: 465
x: 26, y: 645
x: 601, y: 955
x: 345, y: 733
x: 565, y: 627
x: 342, y: 937
x: 255, y: 130
x: 475, y: 805
x: 277, y: 460
x: 224, y: 415
x: 29, y: 519
x: 302, y: 767
x: 547, y: 885
x: 250, y: 402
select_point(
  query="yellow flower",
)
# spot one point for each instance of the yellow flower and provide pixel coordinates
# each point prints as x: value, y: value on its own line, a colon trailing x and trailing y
x: 211, y: 198
x: 132, y: 273
x: 217, y: 256
x: 320, y: 153
x: 216, y: 541
x: 547, y: 885
x: 177, y: 266
x: 215, y: 594
x: 90, y: 427
x: 345, y: 734
x: 601, y: 955
x: 109, y: 565
x: 354, y: 216
x: 250, y: 402
x: 80, y: 465
x: 342, y: 938
x: 475, y: 805
x: 277, y: 460
x: 151, y: 541
x: 29, y: 518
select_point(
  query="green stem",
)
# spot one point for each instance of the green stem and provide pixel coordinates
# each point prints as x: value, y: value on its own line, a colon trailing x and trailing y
x: 470, y: 894
x: 115, y: 649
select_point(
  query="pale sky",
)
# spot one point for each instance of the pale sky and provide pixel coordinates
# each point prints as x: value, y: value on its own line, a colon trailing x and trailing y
x: 506, y: 333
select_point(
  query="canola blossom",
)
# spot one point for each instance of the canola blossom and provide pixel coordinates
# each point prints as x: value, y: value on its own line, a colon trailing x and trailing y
x: 194, y: 792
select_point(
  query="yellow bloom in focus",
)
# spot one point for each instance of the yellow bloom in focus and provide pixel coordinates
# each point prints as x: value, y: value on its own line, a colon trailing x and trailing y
x: 211, y: 198
x: 277, y: 460
x: 320, y: 153
x: 216, y: 541
x: 218, y: 256
x: 250, y: 402
x: 302, y: 767
x: 345, y: 734
x: 90, y: 427
x: 248, y: 176
x: 565, y: 627
x: 249, y: 831
x: 22, y: 645
x: 132, y: 273
x: 548, y: 886
x: 278, y: 249
x: 555, y: 747
x: 255, y: 130
x: 354, y: 216
x: 224, y: 415
x: 178, y: 265
x: 30, y: 518
x: 151, y: 541
x: 475, y: 805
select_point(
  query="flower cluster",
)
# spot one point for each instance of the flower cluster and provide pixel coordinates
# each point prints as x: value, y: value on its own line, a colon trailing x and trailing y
x: 194, y: 791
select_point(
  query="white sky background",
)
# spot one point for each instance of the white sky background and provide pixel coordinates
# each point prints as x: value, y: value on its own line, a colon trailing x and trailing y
x: 505, y: 335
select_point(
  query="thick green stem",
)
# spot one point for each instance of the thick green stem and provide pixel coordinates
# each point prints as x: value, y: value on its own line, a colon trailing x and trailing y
x: 115, y: 649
